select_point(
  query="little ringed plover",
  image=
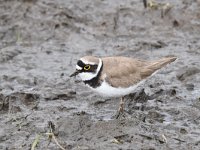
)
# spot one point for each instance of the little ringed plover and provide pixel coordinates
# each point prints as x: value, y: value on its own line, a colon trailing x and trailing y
x: 116, y: 76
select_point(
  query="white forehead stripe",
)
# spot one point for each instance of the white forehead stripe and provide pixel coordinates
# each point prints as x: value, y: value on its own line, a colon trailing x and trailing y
x: 87, y: 62
x: 78, y: 67
x: 85, y: 76
x: 99, y: 66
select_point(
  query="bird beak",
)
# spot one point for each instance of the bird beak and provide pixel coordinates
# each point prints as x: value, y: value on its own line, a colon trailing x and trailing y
x: 75, y: 73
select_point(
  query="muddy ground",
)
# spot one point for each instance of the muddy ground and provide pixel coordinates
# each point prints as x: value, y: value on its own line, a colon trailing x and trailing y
x: 40, y: 42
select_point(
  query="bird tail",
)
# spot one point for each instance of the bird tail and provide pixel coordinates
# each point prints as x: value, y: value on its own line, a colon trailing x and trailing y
x: 155, y: 65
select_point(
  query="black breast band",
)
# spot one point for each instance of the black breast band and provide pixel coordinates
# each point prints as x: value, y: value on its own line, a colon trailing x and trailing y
x: 95, y: 82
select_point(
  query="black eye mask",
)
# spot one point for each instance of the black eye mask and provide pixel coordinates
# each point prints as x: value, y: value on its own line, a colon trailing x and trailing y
x: 92, y: 69
x: 82, y: 65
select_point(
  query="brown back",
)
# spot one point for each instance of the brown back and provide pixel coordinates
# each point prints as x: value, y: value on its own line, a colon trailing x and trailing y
x: 124, y: 71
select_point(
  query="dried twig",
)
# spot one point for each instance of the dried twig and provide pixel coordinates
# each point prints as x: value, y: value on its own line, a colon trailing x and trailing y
x: 51, y: 134
x: 35, y: 142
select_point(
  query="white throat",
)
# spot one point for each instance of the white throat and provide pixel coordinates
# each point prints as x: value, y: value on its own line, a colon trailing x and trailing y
x: 85, y: 76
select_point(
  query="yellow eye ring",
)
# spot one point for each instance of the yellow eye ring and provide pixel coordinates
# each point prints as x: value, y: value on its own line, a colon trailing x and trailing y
x: 87, y: 67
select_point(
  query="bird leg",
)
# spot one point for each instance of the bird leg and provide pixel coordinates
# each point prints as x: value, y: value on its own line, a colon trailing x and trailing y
x: 121, y: 108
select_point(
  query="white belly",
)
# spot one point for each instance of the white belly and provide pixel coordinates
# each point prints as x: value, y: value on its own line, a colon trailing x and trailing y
x: 108, y: 91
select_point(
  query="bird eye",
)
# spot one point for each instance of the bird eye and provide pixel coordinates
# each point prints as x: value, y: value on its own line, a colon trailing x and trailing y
x: 87, y: 67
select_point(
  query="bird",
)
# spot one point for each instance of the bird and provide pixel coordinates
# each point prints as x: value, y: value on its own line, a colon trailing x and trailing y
x: 117, y: 76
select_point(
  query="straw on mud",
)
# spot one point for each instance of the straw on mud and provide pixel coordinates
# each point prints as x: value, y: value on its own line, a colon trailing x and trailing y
x: 165, y: 9
x: 51, y: 134
x: 18, y: 37
x: 152, y: 4
x: 35, y: 142
x: 164, y: 138
x: 116, y: 141
x: 56, y: 141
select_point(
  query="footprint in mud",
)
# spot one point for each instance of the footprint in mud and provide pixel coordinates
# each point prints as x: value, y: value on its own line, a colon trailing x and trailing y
x: 187, y: 77
x: 7, y: 54
x: 138, y: 105
x: 183, y: 73
x: 3, y: 103
x: 139, y: 97
x: 16, y: 102
x: 155, y: 116
x: 123, y: 138
x: 64, y: 95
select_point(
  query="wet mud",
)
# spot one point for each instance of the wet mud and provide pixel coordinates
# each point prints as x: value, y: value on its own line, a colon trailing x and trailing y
x: 40, y: 42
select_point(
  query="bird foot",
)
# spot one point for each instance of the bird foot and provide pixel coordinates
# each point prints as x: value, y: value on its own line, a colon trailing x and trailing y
x: 119, y: 114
